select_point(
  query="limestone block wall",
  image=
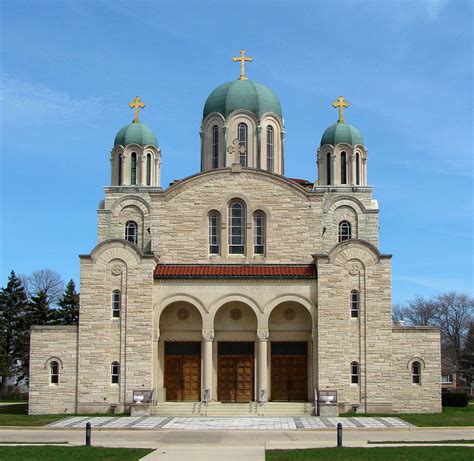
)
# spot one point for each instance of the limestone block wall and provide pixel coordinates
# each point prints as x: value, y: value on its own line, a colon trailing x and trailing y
x: 114, y: 265
x: 355, y: 265
x: 47, y: 344
x: 423, y: 345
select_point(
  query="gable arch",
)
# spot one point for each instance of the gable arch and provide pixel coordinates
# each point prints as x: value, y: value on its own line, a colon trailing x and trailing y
x: 345, y: 200
x: 130, y: 200
x: 357, y: 249
x: 120, y: 249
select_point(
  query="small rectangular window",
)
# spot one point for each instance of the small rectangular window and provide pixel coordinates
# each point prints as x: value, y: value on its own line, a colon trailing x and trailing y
x: 115, y: 373
x: 116, y: 304
x: 447, y: 379
x: 354, y: 373
x: 54, y: 373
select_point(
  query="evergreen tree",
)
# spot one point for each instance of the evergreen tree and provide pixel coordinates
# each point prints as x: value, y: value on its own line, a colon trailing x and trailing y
x: 39, y: 310
x: 68, y: 312
x: 13, y: 311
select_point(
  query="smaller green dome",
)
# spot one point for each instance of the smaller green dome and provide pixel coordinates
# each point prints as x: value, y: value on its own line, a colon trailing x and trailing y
x: 135, y: 133
x: 341, y: 132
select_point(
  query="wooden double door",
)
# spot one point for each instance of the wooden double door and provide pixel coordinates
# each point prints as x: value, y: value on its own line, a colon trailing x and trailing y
x: 183, y: 371
x: 289, y: 372
x: 235, y: 372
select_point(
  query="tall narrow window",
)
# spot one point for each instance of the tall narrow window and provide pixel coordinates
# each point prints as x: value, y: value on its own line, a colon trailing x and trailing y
x: 215, y: 146
x: 328, y: 168
x: 133, y: 169
x: 131, y: 232
x: 236, y: 228
x: 148, y: 170
x: 54, y: 372
x: 354, y: 373
x: 357, y: 168
x: 119, y: 160
x: 115, y: 373
x: 270, y: 148
x: 416, y: 373
x: 354, y: 304
x: 343, y: 168
x: 259, y: 233
x: 242, y: 136
x: 116, y: 304
x: 214, y: 233
x: 345, y: 232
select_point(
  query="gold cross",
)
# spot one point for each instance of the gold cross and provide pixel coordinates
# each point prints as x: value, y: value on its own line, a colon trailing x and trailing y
x: 242, y: 60
x: 136, y: 104
x: 341, y: 104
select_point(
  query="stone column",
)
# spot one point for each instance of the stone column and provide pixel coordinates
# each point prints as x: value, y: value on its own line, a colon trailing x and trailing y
x: 207, y: 341
x: 364, y: 172
x: 262, y: 364
x: 352, y: 171
x: 142, y: 180
x: 333, y: 169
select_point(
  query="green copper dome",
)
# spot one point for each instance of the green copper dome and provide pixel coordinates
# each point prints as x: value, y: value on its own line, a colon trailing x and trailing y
x: 341, y: 132
x: 242, y: 94
x: 135, y: 133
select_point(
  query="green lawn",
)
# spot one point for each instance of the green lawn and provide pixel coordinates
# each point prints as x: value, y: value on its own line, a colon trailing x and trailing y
x: 373, y: 454
x: 47, y: 453
x: 451, y: 416
x: 17, y: 415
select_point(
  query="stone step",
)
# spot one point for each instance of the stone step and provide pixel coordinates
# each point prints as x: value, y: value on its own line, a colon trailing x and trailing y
x: 233, y: 409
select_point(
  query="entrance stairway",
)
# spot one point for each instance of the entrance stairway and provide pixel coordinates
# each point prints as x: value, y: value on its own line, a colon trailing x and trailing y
x: 216, y: 409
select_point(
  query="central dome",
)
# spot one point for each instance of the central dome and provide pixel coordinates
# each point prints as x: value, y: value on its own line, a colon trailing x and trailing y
x: 242, y: 94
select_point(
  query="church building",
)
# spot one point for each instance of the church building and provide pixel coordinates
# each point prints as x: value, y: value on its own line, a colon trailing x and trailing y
x: 238, y: 284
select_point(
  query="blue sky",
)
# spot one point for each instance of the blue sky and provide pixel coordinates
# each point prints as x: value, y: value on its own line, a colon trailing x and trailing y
x: 69, y: 69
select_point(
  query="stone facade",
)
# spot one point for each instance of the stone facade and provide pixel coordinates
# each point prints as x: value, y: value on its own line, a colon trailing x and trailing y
x: 330, y: 298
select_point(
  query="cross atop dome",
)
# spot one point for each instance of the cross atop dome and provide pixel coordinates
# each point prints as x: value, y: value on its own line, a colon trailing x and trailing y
x: 136, y: 104
x: 341, y: 104
x: 242, y: 60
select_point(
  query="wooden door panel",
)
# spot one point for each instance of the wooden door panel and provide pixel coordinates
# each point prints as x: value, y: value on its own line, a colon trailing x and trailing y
x: 191, y: 378
x: 280, y: 377
x: 299, y: 378
x: 226, y: 379
x: 173, y: 378
x: 244, y: 386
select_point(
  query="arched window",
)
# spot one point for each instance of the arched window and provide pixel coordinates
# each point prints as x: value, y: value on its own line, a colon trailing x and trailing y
x: 354, y: 304
x: 328, y: 168
x: 115, y: 373
x: 259, y: 233
x: 345, y: 232
x: 270, y: 142
x: 416, y: 373
x: 214, y: 233
x: 54, y: 372
x: 116, y: 304
x: 236, y: 228
x: 119, y: 160
x: 215, y: 146
x: 148, y: 170
x: 242, y: 136
x: 354, y: 373
x: 131, y: 232
x: 133, y: 169
x: 343, y: 168
x: 357, y: 168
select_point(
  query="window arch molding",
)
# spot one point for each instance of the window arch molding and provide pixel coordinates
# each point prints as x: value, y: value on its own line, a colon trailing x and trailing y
x: 271, y: 120
x: 247, y: 117
x: 213, y: 119
x: 131, y: 232
x: 53, y: 358
x: 344, y: 229
x: 416, y: 359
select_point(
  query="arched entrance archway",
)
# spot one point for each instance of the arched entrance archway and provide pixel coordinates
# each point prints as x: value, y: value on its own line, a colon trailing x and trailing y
x: 290, y: 327
x: 180, y: 332
x: 235, y: 327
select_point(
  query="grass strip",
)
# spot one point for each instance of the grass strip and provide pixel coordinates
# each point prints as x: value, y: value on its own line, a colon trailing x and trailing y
x: 409, y: 442
x: 373, y: 454
x: 51, y: 453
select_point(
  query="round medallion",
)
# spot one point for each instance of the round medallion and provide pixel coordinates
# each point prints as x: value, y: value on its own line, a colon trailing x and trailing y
x: 182, y: 314
x: 116, y: 269
x: 235, y: 314
x: 289, y: 314
x: 353, y: 267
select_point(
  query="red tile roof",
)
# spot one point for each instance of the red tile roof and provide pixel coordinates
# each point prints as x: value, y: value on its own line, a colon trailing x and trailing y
x: 295, y: 271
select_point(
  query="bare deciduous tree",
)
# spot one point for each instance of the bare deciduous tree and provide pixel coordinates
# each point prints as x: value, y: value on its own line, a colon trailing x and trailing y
x: 47, y: 281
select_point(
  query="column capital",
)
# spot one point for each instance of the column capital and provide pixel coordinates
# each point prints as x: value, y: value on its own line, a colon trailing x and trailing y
x: 262, y: 335
x: 208, y: 334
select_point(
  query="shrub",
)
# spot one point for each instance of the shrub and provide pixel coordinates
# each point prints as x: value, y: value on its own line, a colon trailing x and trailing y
x: 455, y: 399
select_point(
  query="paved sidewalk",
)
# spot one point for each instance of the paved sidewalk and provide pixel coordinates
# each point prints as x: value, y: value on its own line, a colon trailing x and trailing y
x: 229, y: 423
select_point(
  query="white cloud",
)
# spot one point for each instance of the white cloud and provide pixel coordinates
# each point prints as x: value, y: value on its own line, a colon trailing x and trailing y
x: 27, y: 103
x: 435, y: 7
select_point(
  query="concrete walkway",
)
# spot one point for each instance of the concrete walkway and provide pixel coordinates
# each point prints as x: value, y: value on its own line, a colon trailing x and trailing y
x: 229, y: 423
x: 230, y: 445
